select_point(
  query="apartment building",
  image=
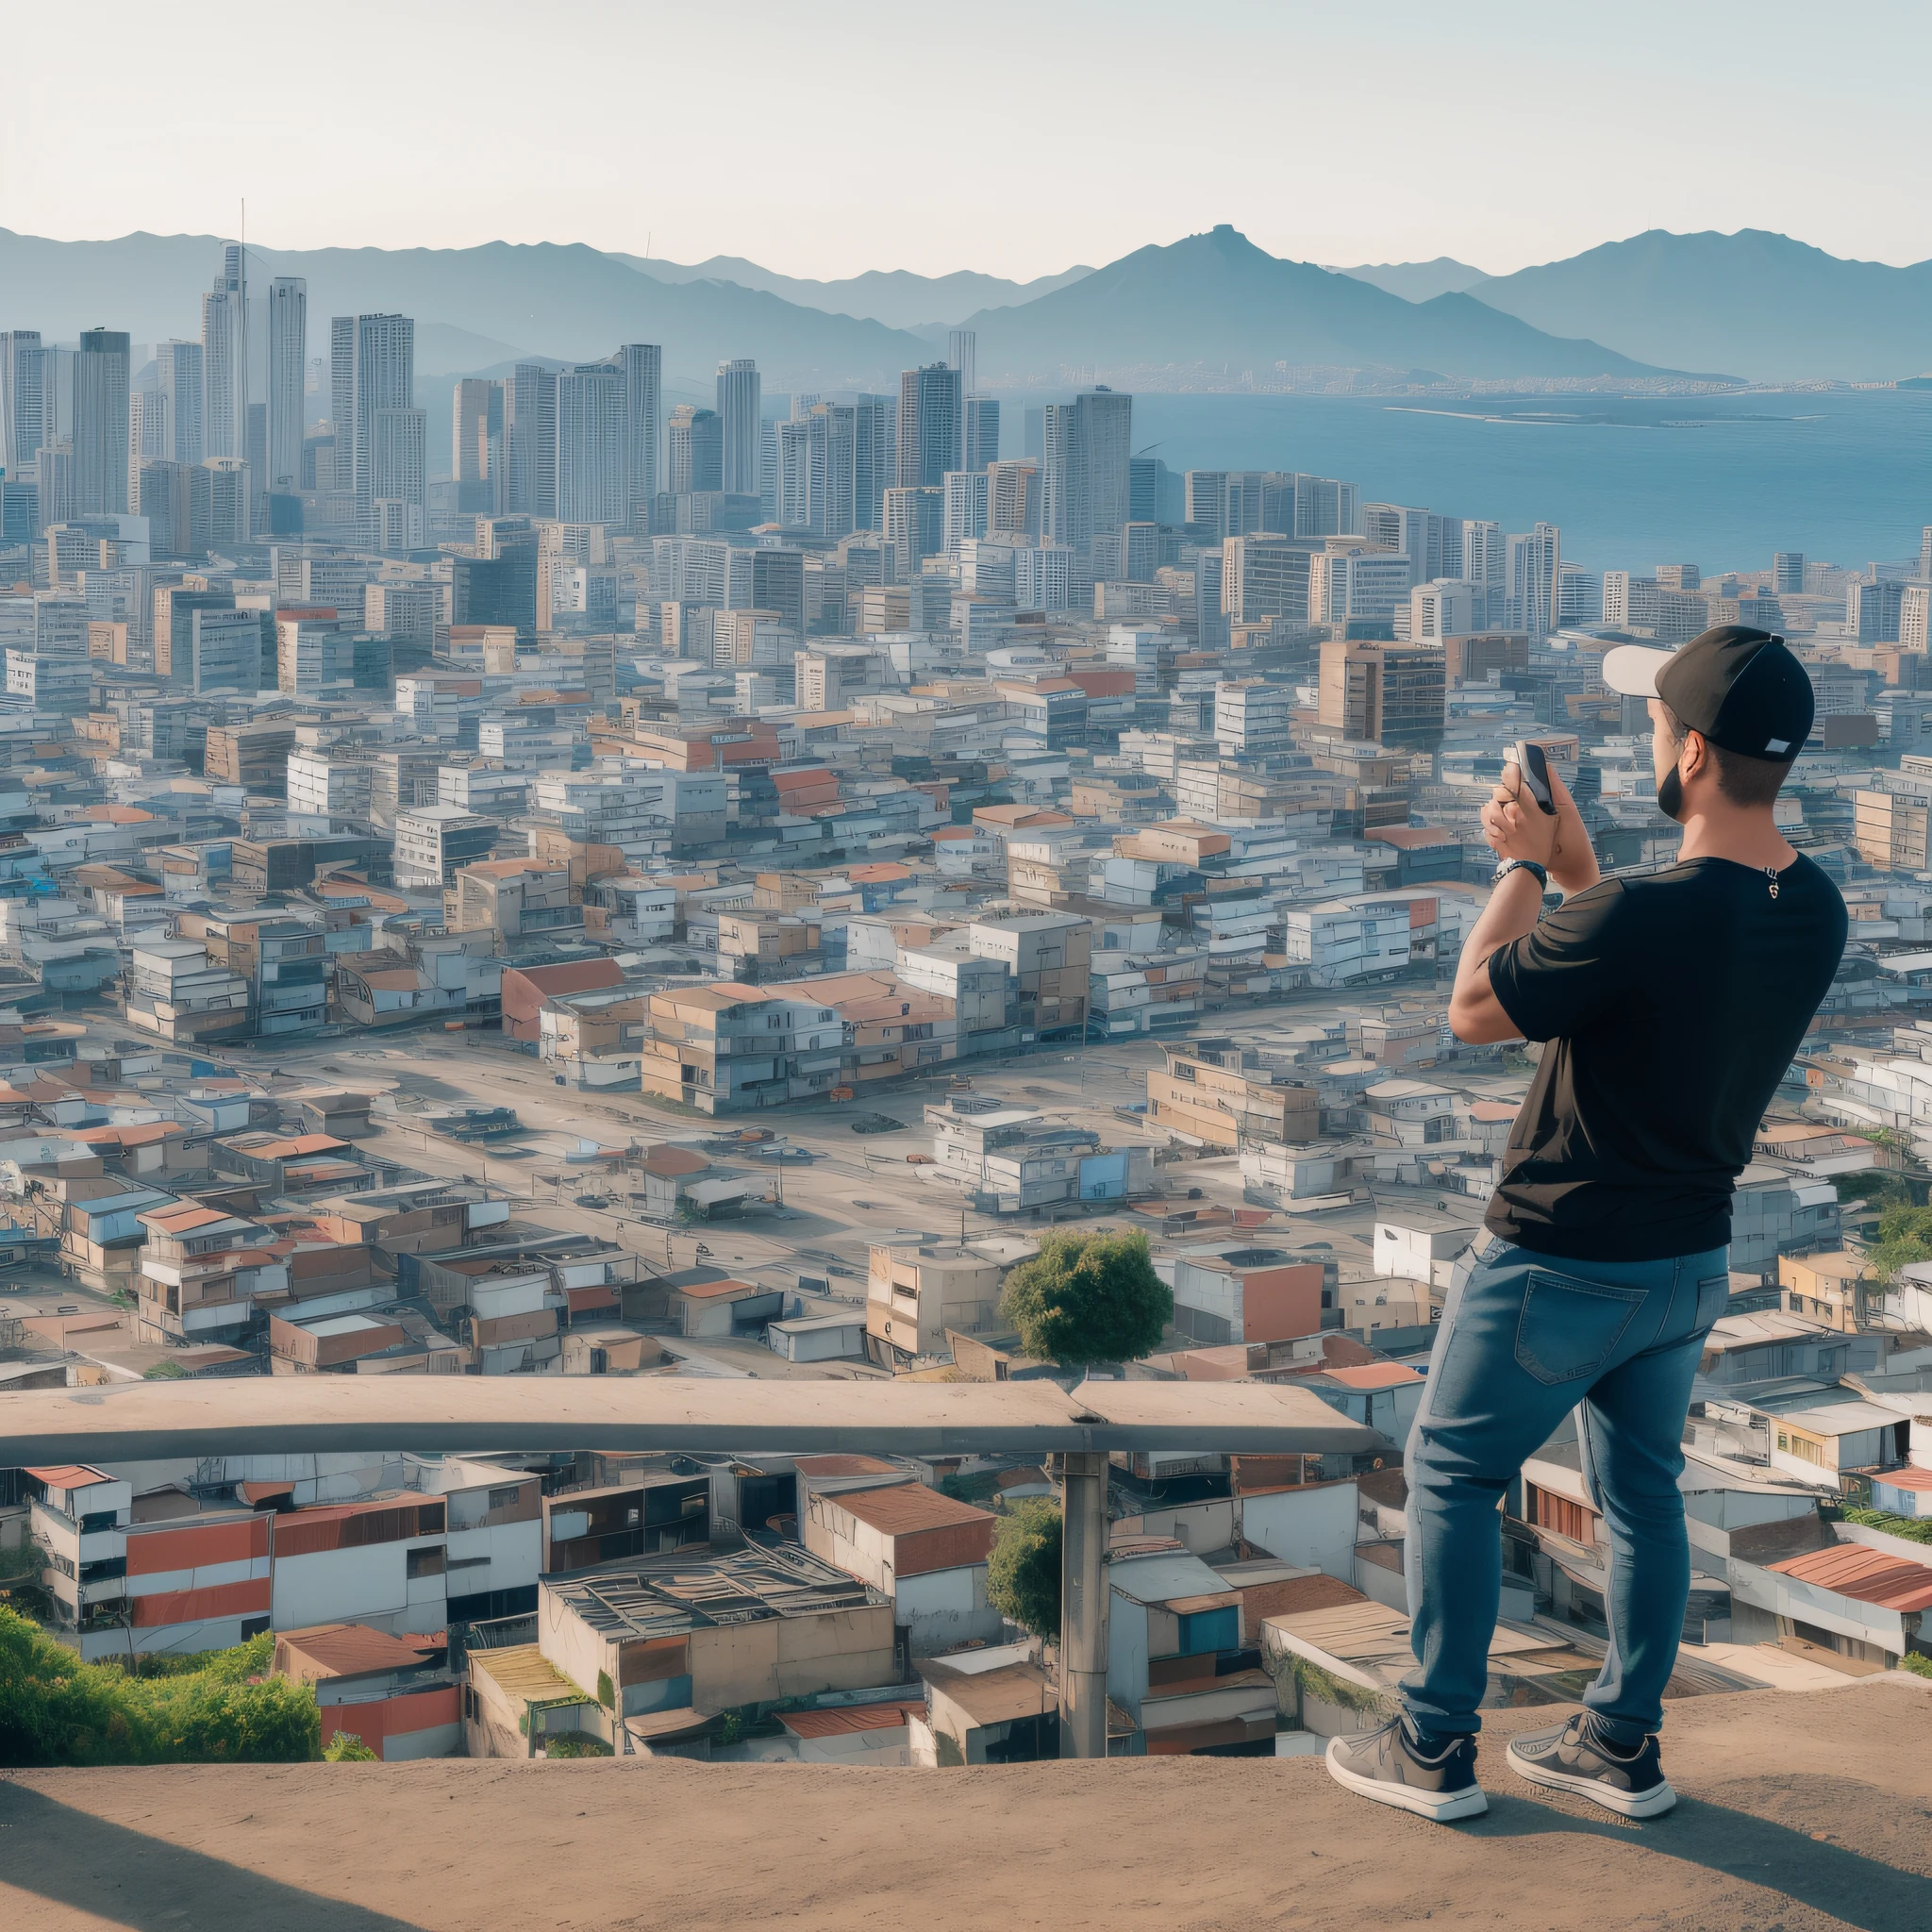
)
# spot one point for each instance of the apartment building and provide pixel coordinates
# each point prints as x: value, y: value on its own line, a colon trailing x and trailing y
x: 730, y: 1048
x: 1207, y: 1096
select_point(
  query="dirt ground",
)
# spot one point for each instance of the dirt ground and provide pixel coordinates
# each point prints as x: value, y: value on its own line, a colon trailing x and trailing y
x: 1800, y: 1811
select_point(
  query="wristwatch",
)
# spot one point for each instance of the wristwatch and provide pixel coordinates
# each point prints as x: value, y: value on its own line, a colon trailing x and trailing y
x: 1529, y: 865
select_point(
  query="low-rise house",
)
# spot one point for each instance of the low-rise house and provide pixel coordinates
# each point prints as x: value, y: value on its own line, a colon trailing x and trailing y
x: 721, y: 1309
x: 396, y: 1697
x: 914, y: 1295
x: 1208, y: 1097
x: 664, y: 1646
x: 924, y: 1550
x: 992, y: 1706
x: 1240, y: 1293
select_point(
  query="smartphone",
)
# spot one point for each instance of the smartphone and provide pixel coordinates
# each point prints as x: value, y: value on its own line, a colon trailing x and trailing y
x: 1535, y: 768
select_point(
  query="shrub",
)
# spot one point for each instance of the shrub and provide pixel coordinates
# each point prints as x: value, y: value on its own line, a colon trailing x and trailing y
x: 1088, y: 1298
x: 1917, y: 1662
x: 1916, y: 1529
x: 607, y: 1691
x: 576, y: 1744
x: 1022, y: 1575
x: 54, y: 1709
x: 345, y: 1747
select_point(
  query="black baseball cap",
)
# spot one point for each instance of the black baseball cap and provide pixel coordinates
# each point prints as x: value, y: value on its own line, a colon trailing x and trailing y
x: 1741, y: 687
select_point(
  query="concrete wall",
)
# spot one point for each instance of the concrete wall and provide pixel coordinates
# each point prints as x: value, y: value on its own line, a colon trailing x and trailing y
x: 947, y: 1607
x: 1314, y: 1525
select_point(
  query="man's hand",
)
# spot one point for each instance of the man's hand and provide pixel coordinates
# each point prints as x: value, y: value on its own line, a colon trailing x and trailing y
x: 1516, y: 827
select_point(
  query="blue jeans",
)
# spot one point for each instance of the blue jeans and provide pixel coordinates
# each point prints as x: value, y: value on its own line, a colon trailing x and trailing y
x: 1525, y: 1338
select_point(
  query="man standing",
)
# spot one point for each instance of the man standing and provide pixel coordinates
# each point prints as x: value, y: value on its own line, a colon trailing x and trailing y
x: 1670, y: 1007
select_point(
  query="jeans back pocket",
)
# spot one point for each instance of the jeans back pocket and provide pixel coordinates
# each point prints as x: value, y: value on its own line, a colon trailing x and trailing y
x: 1713, y: 1297
x: 1568, y: 1327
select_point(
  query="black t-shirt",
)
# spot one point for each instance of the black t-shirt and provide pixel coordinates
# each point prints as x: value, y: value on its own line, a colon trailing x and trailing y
x: 1673, y: 1005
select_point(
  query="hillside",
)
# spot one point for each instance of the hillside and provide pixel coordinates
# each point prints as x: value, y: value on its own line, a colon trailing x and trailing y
x: 1772, y: 309
x: 1216, y: 300
x: 567, y: 301
x: 895, y: 297
x: 1419, y: 281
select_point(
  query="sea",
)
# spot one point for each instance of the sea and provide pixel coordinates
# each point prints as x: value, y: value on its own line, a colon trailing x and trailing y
x: 1632, y: 481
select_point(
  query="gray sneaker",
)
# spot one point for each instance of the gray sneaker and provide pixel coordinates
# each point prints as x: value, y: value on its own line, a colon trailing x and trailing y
x: 1579, y: 1756
x: 1385, y: 1765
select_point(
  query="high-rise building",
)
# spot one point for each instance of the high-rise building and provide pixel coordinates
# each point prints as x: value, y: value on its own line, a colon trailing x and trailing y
x: 1384, y: 694
x: 1152, y: 493
x: 100, y: 424
x: 22, y: 405
x: 874, y: 458
x: 962, y: 354
x: 1206, y: 505
x: 929, y: 425
x: 1395, y: 527
x: 400, y: 456
x: 230, y: 488
x: 1484, y: 568
x: 915, y: 526
x: 476, y: 448
x: 815, y: 471
x: 288, y: 349
x: 965, y: 511
x: 373, y: 369
x: 178, y: 367
x: 147, y: 434
x: 1533, y: 579
x: 697, y: 451
x: 981, y: 440
x: 643, y: 405
x: 738, y: 420
x: 1324, y: 506
x: 593, y: 446
x: 529, y: 418
x: 1787, y: 568
x: 1012, y: 499
x: 1085, y: 471
x: 1263, y: 577
x: 225, y: 357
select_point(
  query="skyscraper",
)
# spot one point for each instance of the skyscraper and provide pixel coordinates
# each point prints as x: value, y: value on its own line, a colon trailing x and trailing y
x: 697, y: 451
x: 1534, y: 579
x: 874, y: 459
x: 737, y: 417
x: 23, y: 408
x: 962, y: 353
x: 382, y: 375
x: 929, y: 424
x: 224, y: 357
x: 287, y: 348
x: 148, y: 436
x: 100, y: 423
x: 476, y: 448
x: 593, y: 445
x: 1787, y: 568
x: 1084, y: 480
x: 981, y: 438
x: 530, y: 424
x: 644, y: 407
x: 179, y: 365
x: 399, y: 456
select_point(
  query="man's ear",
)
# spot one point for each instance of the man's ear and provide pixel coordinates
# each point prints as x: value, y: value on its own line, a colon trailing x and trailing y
x: 1694, y: 756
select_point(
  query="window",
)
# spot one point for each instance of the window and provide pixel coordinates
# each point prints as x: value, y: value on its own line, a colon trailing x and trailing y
x: 505, y: 1499
x: 425, y: 1562
x: 1559, y: 1514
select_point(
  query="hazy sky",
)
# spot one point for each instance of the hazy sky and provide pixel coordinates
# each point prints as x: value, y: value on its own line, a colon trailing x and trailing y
x: 1012, y: 135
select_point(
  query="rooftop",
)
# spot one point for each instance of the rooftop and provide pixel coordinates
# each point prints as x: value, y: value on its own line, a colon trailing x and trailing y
x: 703, y: 1589
x: 1736, y: 1854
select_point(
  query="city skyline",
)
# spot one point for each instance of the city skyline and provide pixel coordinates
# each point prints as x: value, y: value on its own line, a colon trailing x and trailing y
x: 1579, y: 100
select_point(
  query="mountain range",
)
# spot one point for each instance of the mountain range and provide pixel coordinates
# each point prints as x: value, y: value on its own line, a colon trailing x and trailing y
x: 1217, y: 301
x: 1757, y: 305
x: 1419, y: 281
x: 893, y: 296
x: 1772, y: 308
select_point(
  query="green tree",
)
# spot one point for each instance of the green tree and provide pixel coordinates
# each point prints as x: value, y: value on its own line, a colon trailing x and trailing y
x: 1905, y: 1236
x: 1087, y: 1298
x: 346, y: 1747
x: 1022, y: 1575
x: 54, y: 1709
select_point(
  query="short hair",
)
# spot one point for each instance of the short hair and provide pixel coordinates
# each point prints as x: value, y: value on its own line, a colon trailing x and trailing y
x: 1745, y: 781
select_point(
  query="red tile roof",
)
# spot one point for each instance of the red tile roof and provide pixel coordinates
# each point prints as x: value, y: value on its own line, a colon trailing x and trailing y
x: 839, y: 1722
x: 1867, y: 1575
x: 1374, y: 1375
x: 900, y: 1507
x: 69, y: 1475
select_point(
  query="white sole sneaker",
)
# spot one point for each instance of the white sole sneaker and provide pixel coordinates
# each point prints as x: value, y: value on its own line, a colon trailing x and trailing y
x: 1651, y: 1804
x: 1443, y: 1808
